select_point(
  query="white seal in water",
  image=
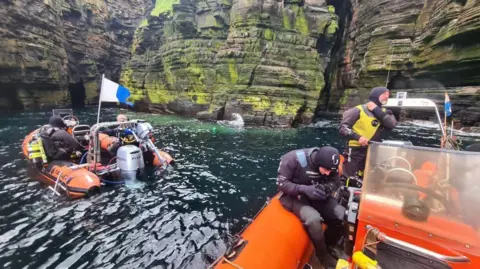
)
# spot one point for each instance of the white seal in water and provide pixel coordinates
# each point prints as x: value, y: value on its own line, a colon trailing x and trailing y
x: 237, y: 120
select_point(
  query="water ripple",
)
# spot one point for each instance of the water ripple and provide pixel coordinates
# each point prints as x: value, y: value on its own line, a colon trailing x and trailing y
x: 222, y: 178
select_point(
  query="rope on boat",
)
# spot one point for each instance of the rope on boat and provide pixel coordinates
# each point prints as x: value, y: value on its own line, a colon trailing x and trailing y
x: 226, y: 260
x: 110, y: 162
x: 216, y: 261
x: 56, y: 183
x: 83, y: 157
x: 232, y: 264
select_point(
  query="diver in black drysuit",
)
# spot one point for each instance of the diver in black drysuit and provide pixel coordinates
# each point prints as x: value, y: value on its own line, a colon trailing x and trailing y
x: 58, y: 143
x: 308, y: 178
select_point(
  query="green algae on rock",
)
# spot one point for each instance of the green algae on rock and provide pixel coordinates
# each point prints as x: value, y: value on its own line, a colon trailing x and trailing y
x: 260, y: 57
x: 269, y: 60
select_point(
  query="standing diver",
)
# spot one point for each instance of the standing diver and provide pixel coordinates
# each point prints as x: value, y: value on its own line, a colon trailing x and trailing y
x: 308, y: 178
x: 58, y: 143
x: 362, y: 124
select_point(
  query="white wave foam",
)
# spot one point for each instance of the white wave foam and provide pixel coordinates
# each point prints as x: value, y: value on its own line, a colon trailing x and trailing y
x: 463, y: 133
x: 424, y: 124
x: 236, y: 122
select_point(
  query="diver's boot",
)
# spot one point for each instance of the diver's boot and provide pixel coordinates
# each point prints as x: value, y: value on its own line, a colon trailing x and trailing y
x: 337, y: 252
x: 323, y: 254
x: 334, y: 240
x: 328, y: 261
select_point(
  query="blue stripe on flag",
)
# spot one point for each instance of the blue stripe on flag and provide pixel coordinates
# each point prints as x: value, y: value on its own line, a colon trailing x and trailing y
x: 123, y: 94
x: 448, y: 109
x: 448, y: 106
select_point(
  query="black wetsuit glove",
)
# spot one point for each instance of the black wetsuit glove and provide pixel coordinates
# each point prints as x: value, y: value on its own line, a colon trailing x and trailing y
x: 312, y: 192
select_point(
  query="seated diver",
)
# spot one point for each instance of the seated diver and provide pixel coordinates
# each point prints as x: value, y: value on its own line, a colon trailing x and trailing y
x: 308, y: 178
x: 58, y: 143
x: 119, y: 136
x: 116, y: 131
x: 125, y: 136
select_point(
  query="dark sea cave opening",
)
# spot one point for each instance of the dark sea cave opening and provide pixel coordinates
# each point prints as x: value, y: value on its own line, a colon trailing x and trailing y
x: 77, y: 94
x: 398, y: 81
x: 11, y: 97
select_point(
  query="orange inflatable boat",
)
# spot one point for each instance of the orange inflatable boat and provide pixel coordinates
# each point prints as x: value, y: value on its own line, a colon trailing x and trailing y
x: 275, y: 239
x: 84, y: 176
x: 75, y: 180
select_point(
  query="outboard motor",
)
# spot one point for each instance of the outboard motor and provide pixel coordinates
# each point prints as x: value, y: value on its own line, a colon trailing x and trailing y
x: 130, y: 162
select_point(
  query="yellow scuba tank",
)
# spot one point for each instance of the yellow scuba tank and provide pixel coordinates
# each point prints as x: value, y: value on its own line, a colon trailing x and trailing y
x: 36, y: 152
x: 42, y: 150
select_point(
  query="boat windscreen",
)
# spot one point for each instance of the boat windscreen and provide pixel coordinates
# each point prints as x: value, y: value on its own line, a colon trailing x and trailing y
x: 62, y: 112
x: 423, y: 192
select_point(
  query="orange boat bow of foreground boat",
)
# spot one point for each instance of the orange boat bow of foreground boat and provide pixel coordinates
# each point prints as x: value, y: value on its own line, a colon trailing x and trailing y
x: 274, y: 240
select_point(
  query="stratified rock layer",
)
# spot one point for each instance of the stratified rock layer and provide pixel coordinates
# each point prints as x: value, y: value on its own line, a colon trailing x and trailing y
x: 265, y: 59
x: 274, y: 62
x: 425, y: 46
x: 55, y: 51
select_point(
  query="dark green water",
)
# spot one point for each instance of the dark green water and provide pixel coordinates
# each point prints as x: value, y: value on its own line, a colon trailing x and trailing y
x: 222, y: 179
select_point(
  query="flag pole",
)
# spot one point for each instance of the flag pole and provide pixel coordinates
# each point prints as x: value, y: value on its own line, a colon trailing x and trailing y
x: 445, y: 114
x: 100, y: 99
x: 451, y: 128
x: 96, y: 142
x: 444, y: 139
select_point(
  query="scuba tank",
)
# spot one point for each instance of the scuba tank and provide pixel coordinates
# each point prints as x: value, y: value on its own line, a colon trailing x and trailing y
x: 144, y: 131
x: 36, y: 152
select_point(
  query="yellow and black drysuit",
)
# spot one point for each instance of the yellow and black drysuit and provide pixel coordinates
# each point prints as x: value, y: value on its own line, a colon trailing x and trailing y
x: 359, y: 121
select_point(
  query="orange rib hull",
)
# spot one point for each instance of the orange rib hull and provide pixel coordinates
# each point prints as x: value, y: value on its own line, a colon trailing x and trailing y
x: 76, y: 183
x: 275, y: 239
x: 165, y: 156
x: 107, y: 141
x: 79, y: 182
x: 450, y: 237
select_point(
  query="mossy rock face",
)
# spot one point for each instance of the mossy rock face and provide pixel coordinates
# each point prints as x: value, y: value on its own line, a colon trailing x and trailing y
x: 257, y: 53
x: 207, y: 52
x: 92, y: 89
